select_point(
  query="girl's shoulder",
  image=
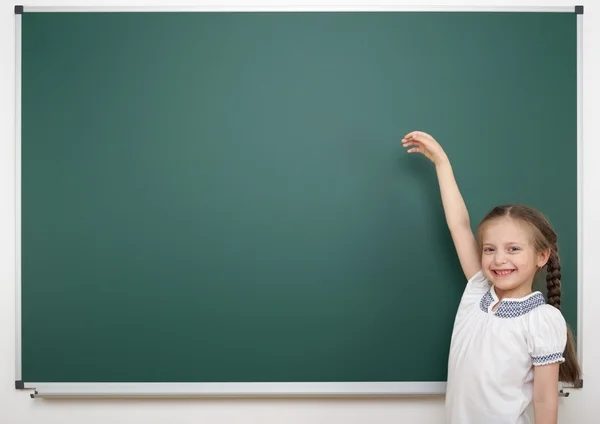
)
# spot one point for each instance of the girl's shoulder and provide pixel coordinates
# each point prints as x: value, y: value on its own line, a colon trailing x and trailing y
x: 545, y: 317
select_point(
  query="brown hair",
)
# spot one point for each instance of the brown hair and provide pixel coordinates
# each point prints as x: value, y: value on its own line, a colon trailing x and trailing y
x: 544, y: 237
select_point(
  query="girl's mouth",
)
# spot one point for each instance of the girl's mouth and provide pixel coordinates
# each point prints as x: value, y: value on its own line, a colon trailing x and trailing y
x: 502, y: 272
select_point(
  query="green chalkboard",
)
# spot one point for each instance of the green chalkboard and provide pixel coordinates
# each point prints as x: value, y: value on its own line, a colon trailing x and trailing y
x: 223, y: 196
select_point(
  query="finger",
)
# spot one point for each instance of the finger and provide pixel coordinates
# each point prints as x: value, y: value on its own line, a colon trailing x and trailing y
x: 412, y: 134
x: 412, y: 143
x: 420, y: 136
x: 414, y: 150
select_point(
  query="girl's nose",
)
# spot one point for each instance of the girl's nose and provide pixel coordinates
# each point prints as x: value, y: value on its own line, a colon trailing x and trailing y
x: 499, y: 258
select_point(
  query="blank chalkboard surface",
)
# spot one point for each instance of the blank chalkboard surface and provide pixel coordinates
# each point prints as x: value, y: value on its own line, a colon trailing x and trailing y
x: 222, y: 197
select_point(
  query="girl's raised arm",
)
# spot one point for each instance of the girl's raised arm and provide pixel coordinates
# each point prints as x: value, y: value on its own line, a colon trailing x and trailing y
x: 457, y: 216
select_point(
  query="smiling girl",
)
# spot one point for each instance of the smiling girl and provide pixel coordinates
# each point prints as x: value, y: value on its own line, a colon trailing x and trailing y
x: 509, y: 347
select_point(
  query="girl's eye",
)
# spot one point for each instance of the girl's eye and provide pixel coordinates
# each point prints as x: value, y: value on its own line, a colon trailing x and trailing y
x: 513, y: 249
x: 488, y: 249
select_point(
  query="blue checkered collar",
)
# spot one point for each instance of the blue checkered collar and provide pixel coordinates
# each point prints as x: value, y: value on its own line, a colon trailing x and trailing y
x: 510, y: 308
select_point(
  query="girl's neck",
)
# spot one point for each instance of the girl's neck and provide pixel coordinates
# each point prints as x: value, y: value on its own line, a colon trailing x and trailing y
x: 514, y: 293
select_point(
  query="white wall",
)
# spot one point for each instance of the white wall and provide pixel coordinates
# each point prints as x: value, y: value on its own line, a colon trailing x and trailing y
x: 16, y: 407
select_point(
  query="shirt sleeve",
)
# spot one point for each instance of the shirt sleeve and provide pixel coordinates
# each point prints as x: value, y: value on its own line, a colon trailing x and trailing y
x: 478, y: 283
x: 547, y: 335
x: 477, y: 286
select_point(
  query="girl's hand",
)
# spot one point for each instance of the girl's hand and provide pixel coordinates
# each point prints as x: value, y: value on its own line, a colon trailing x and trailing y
x: 424, y: 143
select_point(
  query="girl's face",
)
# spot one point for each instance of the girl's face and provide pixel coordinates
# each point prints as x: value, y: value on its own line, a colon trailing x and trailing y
x: 508, y: 258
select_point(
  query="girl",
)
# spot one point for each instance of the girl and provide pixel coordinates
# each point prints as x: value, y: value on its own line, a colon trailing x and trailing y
x: 509, y: 348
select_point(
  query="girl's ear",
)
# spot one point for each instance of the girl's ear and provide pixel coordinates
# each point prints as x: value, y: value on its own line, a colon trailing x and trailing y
x: 544, y: 255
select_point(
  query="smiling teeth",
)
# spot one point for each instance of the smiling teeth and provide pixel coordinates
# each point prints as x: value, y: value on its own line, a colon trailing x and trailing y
x: 504, y: 272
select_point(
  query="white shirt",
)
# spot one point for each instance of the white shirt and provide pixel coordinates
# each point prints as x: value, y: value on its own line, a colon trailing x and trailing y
x: 492, y: 354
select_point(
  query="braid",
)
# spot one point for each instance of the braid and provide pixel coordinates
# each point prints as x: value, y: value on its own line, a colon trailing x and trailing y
x: 553, y: 276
